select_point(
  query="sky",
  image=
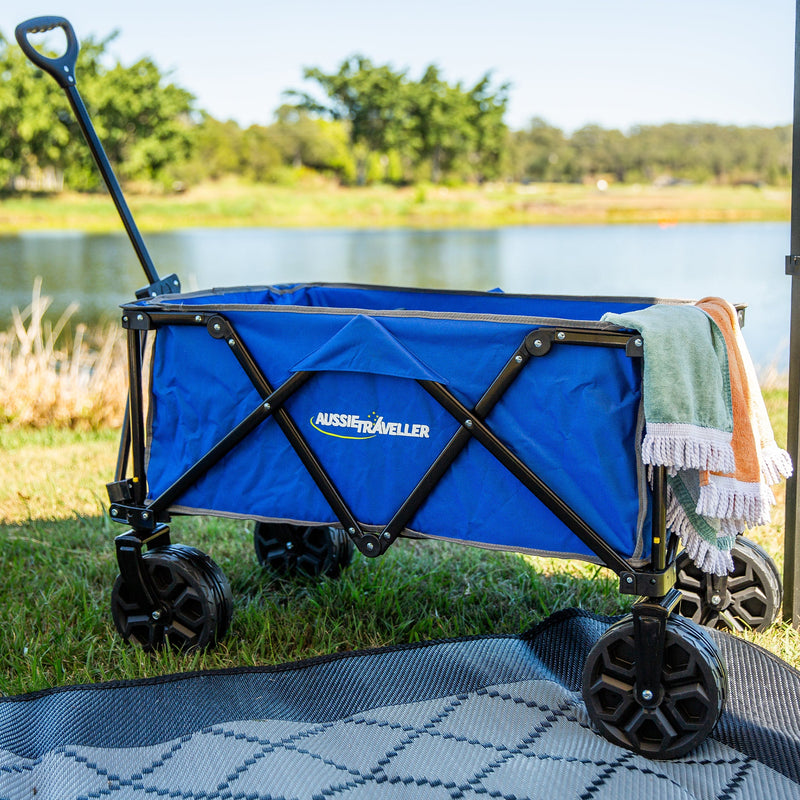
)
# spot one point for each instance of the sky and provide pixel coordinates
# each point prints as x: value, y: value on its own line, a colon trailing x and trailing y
x: 616, y: 63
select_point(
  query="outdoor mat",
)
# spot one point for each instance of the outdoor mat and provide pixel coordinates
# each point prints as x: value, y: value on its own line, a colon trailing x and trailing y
x: 478, y: 717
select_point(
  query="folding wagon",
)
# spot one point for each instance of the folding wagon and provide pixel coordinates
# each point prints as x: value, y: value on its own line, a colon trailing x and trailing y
x: 341, y: 417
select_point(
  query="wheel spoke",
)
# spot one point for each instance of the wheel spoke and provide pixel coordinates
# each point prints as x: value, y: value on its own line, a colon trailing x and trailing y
x: 732, y: 621
x: 313, y: 550
x: 181, y: 635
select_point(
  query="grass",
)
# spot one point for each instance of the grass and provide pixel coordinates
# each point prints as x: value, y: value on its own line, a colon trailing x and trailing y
x: 319, y: 203
x: 59, y: 567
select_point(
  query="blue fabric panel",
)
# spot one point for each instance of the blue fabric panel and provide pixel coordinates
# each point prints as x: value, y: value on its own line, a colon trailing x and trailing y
x: 570, y: 416
x: 364, y: 345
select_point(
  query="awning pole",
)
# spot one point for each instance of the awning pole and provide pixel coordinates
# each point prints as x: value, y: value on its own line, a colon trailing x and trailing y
x: 791, y: 542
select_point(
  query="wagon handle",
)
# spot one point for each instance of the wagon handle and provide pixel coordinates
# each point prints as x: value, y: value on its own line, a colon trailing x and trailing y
x: 62, y: 68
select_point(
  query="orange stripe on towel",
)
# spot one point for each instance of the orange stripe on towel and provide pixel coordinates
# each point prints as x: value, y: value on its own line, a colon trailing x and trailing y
x: 740, y: 495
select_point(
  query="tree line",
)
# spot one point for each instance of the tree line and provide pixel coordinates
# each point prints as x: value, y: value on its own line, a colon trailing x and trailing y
x: 364, y: 123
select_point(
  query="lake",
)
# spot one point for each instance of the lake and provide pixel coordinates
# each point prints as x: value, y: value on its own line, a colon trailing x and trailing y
x: 743, y: 262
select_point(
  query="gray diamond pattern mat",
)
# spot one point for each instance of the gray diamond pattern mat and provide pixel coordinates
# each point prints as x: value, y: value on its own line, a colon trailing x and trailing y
x: 486, y: 717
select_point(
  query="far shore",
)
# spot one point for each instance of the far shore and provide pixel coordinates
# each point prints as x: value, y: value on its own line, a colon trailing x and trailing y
x: 319, y: 203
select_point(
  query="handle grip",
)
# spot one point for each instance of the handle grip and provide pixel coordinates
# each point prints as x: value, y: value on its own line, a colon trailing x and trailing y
x: 62, y: 68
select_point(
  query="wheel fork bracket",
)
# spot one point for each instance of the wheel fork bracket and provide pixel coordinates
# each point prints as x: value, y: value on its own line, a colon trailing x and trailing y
x: 131, y: 564
x: 716, y: 591
x: 650, y: 630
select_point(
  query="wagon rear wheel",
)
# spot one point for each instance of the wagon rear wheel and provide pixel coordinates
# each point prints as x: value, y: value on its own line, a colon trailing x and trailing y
x: 194, y: 599
x: 689, y: 699
x: 751, y: 598
x: 313, y: 550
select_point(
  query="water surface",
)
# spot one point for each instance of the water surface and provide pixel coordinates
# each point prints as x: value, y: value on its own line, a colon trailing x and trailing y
x: 742, y: 262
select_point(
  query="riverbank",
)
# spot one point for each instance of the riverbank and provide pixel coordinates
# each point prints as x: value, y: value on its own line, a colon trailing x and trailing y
x: 322, y: 204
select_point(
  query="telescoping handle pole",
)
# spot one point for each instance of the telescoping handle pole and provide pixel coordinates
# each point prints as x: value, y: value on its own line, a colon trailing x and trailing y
x: 62, y: 69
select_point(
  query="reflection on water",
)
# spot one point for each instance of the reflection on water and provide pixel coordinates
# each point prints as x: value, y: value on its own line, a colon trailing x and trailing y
x: 742, y: 262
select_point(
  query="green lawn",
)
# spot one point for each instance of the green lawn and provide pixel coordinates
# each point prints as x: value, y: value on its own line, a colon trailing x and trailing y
x: 58, y: 568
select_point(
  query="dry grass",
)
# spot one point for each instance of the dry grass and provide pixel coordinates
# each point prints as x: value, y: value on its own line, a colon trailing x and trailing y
x: 55, y: 376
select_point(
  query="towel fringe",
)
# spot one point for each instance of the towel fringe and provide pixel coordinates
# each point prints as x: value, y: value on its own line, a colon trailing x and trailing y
x: 687, y: 447
x: 726, y: 498
x: 732, y: 527
x: 775, y: 463
x: 707, y: 556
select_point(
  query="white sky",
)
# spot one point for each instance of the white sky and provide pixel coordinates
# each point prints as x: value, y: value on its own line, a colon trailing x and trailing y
x: 612, y: 62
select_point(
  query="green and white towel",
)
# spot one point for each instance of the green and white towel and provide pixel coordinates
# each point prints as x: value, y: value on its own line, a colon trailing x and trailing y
x: 688, y: 418
x: 686, y: 388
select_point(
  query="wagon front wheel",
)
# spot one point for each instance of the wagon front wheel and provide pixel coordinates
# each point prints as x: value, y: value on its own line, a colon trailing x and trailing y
x: 689, y: 698
x: 751, y: 596
x: 312, y: 550
x: 194, y: 602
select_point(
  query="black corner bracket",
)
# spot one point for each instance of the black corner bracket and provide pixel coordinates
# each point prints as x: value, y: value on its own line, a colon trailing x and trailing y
x: 168, y: 285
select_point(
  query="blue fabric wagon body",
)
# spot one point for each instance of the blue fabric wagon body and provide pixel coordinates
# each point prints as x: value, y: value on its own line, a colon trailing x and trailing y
x: 573, y: 416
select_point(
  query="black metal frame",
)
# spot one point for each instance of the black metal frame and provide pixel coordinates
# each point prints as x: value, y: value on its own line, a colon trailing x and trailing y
x: 147, y: 520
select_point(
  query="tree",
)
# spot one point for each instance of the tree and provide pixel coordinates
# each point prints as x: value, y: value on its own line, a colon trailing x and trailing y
x: 216, y: 148
x: 393, y: 120
x: 29, y: 139
x: 487, y: 109
x: 442, y: 134
x: 142, y: 120
x: 541, y: 152
x: 370, y: 98
x: 599, y: 151
x: 304, y: 140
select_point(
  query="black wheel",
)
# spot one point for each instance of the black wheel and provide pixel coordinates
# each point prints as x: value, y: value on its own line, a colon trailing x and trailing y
x: 316, y: 550
x: 751, y: 599
x: 194, y: 601
x: 689, y: 699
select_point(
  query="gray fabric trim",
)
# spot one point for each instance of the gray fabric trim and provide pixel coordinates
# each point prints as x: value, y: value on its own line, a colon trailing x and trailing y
x: 550, y: 322
x: 408, y: 533
x: 641, y: 479
x: 158, y: 303
x: 281, y: 290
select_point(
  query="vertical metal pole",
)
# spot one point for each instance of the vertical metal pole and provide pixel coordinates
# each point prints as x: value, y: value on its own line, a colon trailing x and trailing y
x: 135, y: 410
x: 658, y: 556
x: 791, y: 543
